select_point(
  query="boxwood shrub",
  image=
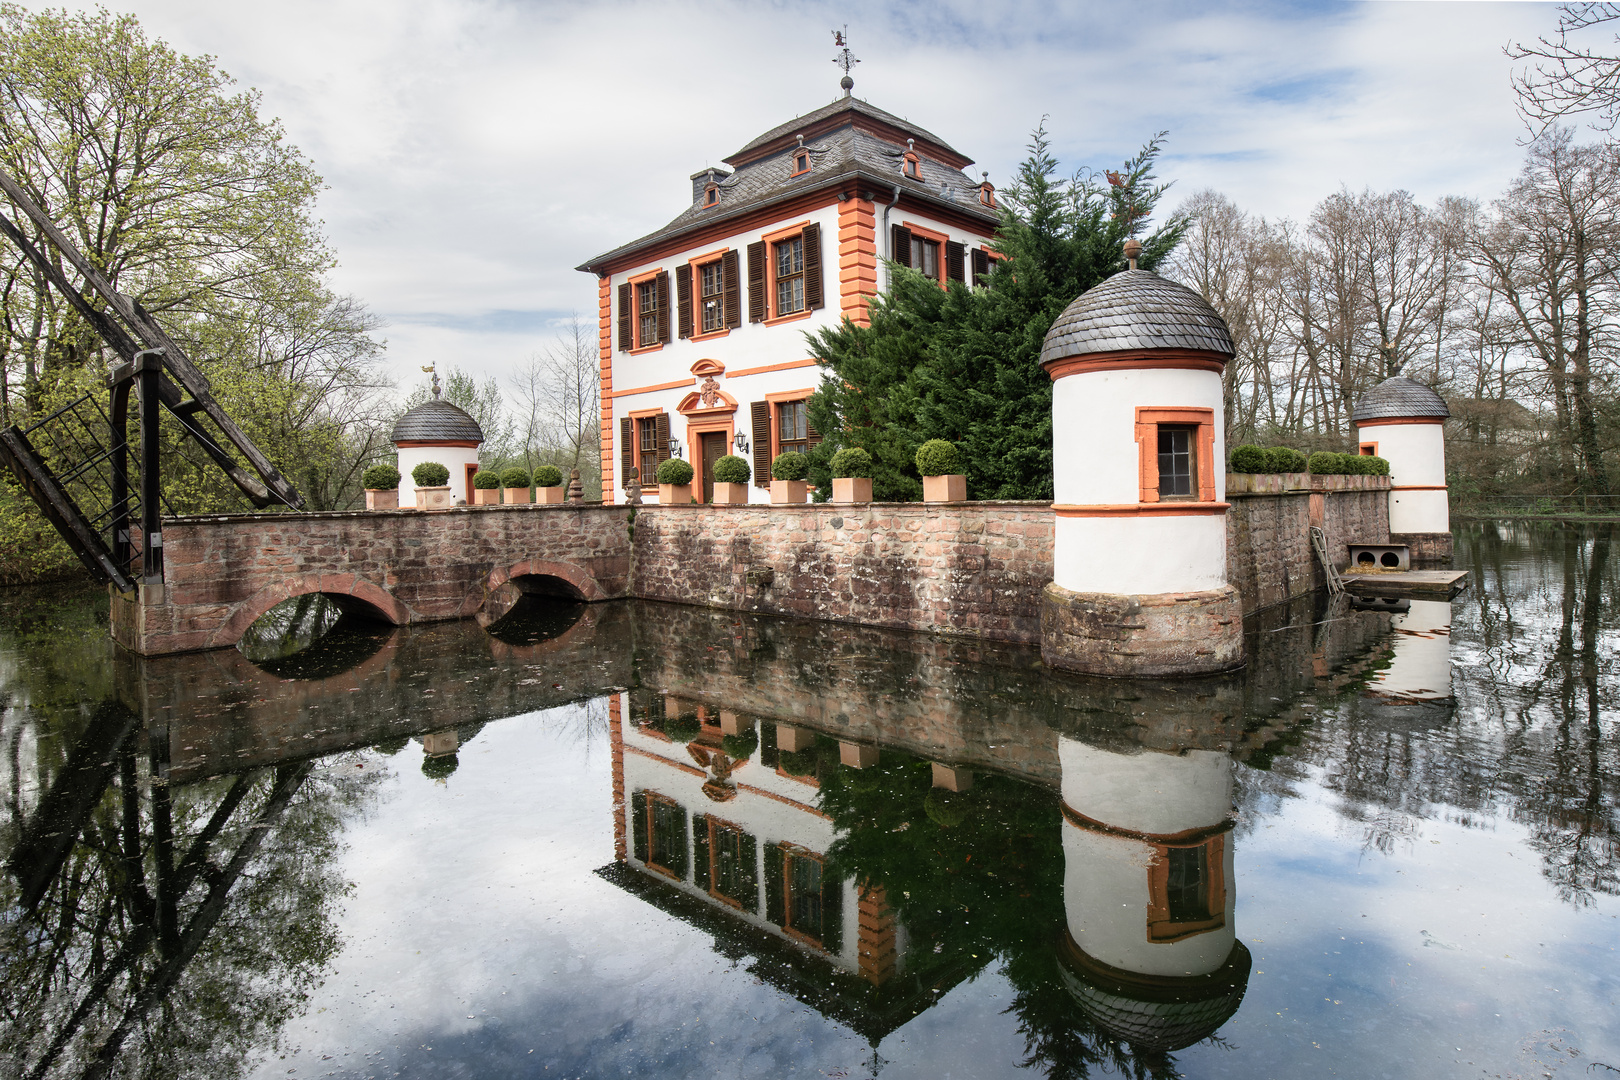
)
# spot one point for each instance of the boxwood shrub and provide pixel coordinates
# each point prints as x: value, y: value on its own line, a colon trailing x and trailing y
x: 515, y: 476
x: 380, y: 478
x: 430, y: 474
x: 852, y: 461
x: 790, y: 466
x: 1281, y: 459
x: 732, y: 469
x: 675, y: 471
x: 486, y: 480
x: 1375, y: 465
x: 548, y: 476
x: 936, y: 457
x: 1249, y: 458
x: 742, y: 746
x: 1328, y: 464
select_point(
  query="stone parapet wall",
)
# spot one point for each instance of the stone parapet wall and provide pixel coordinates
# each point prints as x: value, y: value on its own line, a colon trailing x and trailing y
x: 1268, y: 543
x: 975, y: 568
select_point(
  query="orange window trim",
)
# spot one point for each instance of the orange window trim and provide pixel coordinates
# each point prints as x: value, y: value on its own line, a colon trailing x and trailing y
x: 641, y: 414
x: 1160, y: 928
x: 1147, y: 441
x: 771, y: 239
x: 635, y: 315
x: 1369, y: 449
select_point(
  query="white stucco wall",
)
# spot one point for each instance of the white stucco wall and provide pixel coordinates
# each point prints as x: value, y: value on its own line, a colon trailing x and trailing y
x: 1094, y: 453
x: 1421, y: 667
x: 1139, y: 555
x: 748, y: 346
x: 1417, y: 457
x: 454, y: 458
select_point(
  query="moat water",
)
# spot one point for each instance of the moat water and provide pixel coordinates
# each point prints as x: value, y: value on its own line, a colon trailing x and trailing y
x: 644, y: 840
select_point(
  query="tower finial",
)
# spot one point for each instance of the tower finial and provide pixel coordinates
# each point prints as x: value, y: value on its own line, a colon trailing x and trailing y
x: 1133, y: 249
x: 845, y: 59
x: 433, y: 369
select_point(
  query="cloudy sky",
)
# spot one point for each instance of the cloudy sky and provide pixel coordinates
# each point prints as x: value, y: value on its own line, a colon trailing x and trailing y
x: 476, y: 151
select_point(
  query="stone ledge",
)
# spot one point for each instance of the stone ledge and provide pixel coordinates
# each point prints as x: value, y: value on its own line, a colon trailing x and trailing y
x: 1180, y: 633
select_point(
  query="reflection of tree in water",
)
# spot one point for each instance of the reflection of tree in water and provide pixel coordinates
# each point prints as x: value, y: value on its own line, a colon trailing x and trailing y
x: 1533, y: 736
x: 311, y: 637
x: 974, y: 876
x: 167, y: 932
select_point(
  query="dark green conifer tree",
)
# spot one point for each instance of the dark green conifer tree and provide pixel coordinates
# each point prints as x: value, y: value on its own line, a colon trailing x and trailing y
x: 963, y: 363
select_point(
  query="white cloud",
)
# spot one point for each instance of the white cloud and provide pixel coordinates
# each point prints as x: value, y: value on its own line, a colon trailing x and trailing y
x: 477, y: 151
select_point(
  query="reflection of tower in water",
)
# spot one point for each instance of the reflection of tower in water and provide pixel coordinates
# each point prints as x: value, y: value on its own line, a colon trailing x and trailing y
x: 1150, y: 951
x: 1420, y: 669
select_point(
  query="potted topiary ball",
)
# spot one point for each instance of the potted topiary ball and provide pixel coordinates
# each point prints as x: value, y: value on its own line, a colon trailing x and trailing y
x: 938, y: 462
x: 486, y: 488
x: 515, y: 485
x: 852, y: 476
x: 548, y: 484
x: 787, y: 477
x: 382, y: 487
x: 731, y: 476
x: 432, y: 486
x: 674, y: 482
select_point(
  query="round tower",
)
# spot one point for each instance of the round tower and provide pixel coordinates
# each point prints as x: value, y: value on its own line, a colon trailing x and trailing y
x: 1151, y: 952
x: 1139, y: 479
x: 1403, y: 422
x: 437, y: 431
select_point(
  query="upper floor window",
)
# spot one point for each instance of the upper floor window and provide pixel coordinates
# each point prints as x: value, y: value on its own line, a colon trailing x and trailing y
x: 711, y: 297
x: 801, y: 161
x: 646, y: 313
x: 792, y: 427
x: 925, y: 256
x: 789, y: 255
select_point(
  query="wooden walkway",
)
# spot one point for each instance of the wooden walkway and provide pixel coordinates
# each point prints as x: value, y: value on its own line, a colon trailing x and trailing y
x: 1411, y: 584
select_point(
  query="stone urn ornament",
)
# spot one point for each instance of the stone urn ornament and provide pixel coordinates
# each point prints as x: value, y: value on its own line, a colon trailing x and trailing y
x: 576, y: 489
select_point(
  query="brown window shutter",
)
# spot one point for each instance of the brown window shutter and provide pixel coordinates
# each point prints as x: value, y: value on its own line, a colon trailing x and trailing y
x: 955, y: 256
x: 627, y: 448
x: 661, y: 433
x: 810, y: 431
x: 812, y: 266
x: 762, y: 443
x: 756, y: 281
x: 625, y: 342
x: 981, y: 265
x: 683, y: 297
x: 900, y: 244
x: 733, y: 287
x: 663, y: 307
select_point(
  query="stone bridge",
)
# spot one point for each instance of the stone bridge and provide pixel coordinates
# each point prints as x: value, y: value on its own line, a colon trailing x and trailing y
x: 971, y: 569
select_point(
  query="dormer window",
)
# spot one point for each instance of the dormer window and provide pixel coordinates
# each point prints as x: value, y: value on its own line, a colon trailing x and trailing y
x: 987, y: 194
x: 711, y: 195
x: 910, y: 167
x: 801, y: 161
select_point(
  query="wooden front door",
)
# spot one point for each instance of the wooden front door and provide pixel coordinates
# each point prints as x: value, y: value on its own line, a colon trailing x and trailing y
x: 713, y: 448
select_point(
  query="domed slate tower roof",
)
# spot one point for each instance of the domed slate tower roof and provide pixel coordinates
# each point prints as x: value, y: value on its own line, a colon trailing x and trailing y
x: 1133, y: 310
x: 437, y: 421
x: 1164, y: 1018
x: 1399, y: 397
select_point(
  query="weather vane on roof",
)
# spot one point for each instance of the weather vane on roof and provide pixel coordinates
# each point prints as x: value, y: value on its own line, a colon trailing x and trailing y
x: 433, y: 369
x: 845, y: 59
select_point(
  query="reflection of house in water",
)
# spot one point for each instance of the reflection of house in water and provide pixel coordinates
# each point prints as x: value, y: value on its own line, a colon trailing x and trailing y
x: 717, y: 824
x: 1150, y: 951
x: 1420, y: 669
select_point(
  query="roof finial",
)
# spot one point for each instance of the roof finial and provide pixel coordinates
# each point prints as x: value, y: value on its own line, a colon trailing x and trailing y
x: 845, y: 59
x: 433, y: 369
x: 1133, y: 248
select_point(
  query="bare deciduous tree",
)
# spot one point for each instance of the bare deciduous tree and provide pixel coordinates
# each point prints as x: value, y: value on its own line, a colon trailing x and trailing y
x: 1567, y: 75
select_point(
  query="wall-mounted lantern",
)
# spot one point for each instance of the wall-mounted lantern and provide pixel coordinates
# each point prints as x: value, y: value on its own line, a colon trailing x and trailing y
x: 741, y: 443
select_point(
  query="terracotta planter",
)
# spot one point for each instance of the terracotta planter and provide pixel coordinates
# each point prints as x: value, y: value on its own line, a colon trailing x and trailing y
x: 789, y: 491
x: 852, y: 489
x: 952, y: 488
x: 384, y: 499
x: 515, y: 496
x: 486, y: 496
x: 433, y: 498
x: 549, y: 495
x: 674, y: 494
x: 733, y: 494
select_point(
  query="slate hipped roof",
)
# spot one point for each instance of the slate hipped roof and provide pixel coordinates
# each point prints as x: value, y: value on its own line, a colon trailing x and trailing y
x: 1399, y: 397
x: 853, y: 146
x: 436, y: 421
x: 1136, y: 309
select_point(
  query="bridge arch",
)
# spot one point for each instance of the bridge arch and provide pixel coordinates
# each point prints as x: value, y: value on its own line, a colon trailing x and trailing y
x: 547, y: 577
x: 353, y: 593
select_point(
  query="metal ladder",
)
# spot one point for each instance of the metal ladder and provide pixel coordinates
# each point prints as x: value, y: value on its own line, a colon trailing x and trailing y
x: 1319, y: 543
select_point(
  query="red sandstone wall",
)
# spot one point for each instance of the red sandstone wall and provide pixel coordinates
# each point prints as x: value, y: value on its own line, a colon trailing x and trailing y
x: 976, y: 569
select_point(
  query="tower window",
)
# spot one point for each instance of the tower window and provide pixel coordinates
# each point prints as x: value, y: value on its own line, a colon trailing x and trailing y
x: 1177, y: 468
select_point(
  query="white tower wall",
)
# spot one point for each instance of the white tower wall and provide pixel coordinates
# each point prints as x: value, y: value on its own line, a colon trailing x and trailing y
x: 1416, y: 454
x: 454, y: 458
